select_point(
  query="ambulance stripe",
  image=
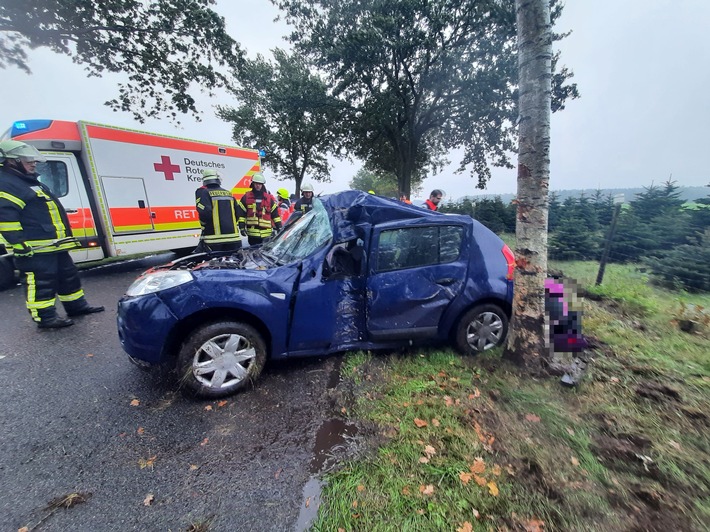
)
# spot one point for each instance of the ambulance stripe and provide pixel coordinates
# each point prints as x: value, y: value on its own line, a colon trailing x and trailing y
x: 172, y: 143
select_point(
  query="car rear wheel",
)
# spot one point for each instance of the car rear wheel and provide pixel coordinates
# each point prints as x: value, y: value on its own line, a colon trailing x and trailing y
x: 481, y: 328
x: 219, y: 359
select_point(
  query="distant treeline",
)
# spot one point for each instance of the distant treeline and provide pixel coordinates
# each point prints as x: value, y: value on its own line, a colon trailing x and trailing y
x: 656, y: 227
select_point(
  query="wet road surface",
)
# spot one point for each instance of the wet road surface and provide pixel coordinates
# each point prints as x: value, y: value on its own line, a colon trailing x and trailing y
x: 77, y: 417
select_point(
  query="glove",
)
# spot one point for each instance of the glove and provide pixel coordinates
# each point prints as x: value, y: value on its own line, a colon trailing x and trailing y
x: 23, y: 250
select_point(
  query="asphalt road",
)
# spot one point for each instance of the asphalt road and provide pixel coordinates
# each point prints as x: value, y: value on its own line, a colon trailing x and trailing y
x: 78, y: 417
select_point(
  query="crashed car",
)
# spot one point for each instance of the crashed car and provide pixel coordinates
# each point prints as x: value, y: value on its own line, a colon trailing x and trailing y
x: 356, y: 272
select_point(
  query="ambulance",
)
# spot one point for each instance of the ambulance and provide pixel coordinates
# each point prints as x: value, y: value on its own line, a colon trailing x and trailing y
x: 127, y: 191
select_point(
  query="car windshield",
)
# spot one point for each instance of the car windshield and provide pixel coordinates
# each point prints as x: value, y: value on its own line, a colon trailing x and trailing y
x: 301, y: 238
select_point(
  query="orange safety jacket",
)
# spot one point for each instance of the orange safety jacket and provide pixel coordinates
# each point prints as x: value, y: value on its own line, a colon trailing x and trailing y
x: 258, y: 221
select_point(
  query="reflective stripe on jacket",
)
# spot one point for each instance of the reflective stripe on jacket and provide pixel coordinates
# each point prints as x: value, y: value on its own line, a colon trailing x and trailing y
x: 218, y: 211
x: 31, y: 215
x: 259, y: 218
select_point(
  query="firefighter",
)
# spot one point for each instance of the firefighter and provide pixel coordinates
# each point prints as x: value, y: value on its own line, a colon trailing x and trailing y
x: 305, y: 203
x: 285, y: 207
x: 37, y: 228
x: 258, y: 212
x: 218, y: 211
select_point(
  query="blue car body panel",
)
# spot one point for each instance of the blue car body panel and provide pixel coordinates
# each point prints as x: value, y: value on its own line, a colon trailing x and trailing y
x: 411, y: 275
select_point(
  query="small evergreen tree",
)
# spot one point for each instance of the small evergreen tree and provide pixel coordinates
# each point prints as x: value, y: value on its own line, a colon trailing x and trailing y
x: 685, y: 266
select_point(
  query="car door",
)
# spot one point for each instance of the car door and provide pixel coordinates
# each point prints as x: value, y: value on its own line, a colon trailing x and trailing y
x: 60, y: 172
x: 415, y: 273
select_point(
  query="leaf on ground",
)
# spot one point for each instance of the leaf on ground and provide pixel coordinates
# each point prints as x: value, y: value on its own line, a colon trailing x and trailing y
x: 476, y: 393
x: 89, y: 355
x: 423, y: 460
x: 193, y: 467
x: 308, y: 502
x: 420, y: 422
x: 534, y: 525
x: 479, y: 466
x: 465, y: 527
x: 361, y: 488
x: 429, y: 451
x: 496, y: 470
x: 448, y: 400
x: 140, y: 431
x: 405, y: 491
x: 465, y: 477
x: 23, y: 529
x: 204, y: 442
x: 420, y: 511
x: 493, y: 488
x: 436, y: 422
x: 148, y: 499
x: 135, y: 402
x: 147, y: 463
x: 355, y: 503
x: 476, y: 513
x: 532, y: 417
x: 278, y: 472
x: 674, y: 444
x: 480, y: 480
x: 427, y: 490
x: 343, y: 410
x: 574, y: 461
x: 208, y: 407
x: 68, y: 500
x: 570, y: 431
x: 222, y: 403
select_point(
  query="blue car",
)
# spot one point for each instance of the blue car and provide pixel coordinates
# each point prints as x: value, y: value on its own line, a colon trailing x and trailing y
x: 357, y: 272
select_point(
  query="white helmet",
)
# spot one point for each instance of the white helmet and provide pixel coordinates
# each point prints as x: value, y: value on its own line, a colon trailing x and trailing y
x: 307, y: 188
x: 14, y: 149
x: 211, y: 176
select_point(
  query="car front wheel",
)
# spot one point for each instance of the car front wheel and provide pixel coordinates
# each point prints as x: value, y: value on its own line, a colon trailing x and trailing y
x: 219, y: 359
x: 481, y: 328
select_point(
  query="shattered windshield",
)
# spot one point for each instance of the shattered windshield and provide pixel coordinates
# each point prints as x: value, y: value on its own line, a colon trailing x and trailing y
x: 301, y: 238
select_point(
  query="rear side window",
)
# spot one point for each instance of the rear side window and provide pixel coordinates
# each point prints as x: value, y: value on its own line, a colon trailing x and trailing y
x: 418, y: 246
x: 54, y: 174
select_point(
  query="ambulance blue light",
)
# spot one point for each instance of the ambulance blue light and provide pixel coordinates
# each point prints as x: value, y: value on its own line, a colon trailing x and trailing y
x: 262, y: 152
x: 28, y: 126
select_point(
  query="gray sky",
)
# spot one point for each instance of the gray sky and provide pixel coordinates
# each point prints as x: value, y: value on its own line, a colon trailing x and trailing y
x: 641, y: 67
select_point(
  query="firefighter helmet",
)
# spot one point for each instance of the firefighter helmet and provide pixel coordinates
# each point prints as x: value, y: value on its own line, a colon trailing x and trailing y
x: 211, y: 176
x: 307, y: 188
x: 14, y: 149
x: 282, y: 193
x: 258, y: 178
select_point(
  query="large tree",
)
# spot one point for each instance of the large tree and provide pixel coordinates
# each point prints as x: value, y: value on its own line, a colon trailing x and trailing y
x: 167, y: 48
x: 526, y: 341
x: 419, y: 78
x: 285, y: 109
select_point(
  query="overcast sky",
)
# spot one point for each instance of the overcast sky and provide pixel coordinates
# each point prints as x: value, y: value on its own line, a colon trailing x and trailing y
x: 641, y: 67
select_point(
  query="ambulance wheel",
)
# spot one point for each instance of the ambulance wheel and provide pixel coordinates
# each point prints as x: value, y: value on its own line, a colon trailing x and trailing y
x: 481, y: 328
x: 7, y: 272
x: 221, y: 358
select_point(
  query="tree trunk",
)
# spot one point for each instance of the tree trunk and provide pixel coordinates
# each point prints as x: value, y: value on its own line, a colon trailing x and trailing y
x: 526, y: 342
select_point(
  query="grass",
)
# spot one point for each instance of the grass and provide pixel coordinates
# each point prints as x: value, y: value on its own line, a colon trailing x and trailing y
x: 473, y: 443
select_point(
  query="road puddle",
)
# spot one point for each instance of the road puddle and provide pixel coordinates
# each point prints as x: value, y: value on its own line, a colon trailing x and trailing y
x: 332, y: 441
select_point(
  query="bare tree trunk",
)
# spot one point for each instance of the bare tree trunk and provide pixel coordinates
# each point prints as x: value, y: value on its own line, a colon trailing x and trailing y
x: 526, y: 342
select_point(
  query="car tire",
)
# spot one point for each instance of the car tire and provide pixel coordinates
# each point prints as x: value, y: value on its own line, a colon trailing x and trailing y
x: 481, y: 328
x: 221, y: 358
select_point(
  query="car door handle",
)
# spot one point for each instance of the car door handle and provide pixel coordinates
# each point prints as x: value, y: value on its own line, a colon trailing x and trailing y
x: 71, y: 211
x: 446, y: 281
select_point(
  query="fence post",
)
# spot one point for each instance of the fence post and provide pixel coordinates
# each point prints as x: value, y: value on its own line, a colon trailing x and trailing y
x: 618, y: 201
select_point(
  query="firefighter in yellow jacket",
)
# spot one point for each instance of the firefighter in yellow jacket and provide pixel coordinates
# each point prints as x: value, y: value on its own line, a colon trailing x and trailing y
x: 218, y: 211
x: 258, y: 212
x: 36, y: 226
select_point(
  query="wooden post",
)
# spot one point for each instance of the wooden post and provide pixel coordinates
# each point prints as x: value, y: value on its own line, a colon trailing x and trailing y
x: 618, y: 201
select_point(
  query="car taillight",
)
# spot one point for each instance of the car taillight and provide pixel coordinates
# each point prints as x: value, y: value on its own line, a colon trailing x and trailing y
x: 510, y: 261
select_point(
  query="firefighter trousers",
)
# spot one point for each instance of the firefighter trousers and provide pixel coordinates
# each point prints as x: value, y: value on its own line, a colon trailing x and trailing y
x: 50, y: 275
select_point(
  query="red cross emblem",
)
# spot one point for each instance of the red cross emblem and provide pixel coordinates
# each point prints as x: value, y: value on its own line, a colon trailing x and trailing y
x: 167, y: 167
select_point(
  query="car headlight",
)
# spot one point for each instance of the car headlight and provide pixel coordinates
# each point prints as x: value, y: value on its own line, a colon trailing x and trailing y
x: 157, y: 281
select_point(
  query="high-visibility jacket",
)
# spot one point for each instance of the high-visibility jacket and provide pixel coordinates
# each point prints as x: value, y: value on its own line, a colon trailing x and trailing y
x: 304, y: 205
x: 428, y: 204
x: 218, y: 211
x: 285, y: 210
x: 31, y: 215
x: 258, y: 217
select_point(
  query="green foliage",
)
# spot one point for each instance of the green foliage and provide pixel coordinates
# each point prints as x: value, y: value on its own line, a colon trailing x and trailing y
x: 684, y: 266
x: 286, y: 109
x: 419, y: 78
x: 493, y: 213
x: 166, y: 48
x: 381, y: 184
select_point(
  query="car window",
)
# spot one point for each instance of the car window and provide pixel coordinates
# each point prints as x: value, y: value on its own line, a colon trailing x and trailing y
x: 418, y: 246
x: 54, y: 174
x: 300, y: 239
